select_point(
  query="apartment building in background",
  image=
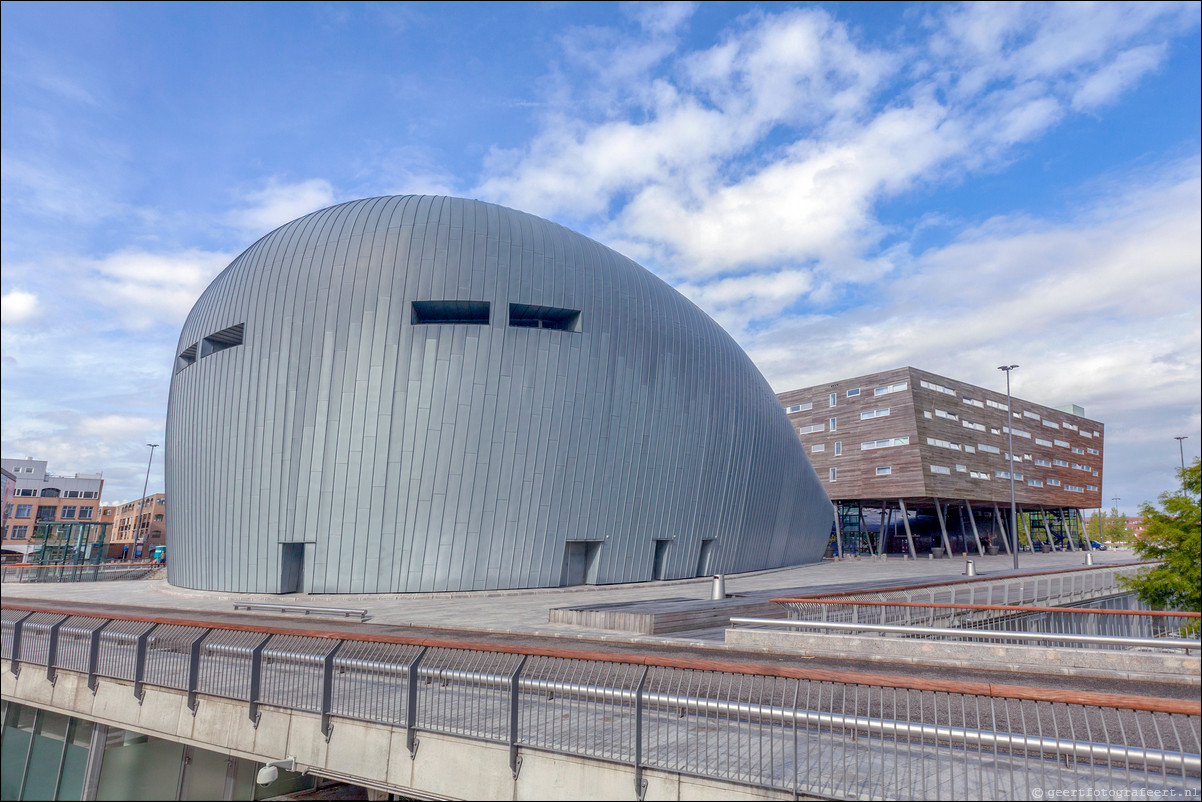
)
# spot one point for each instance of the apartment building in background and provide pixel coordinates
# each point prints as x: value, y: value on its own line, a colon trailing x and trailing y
x: 10, y: 487
x: 42, y: 497
x: 926, y: 460
x: 136, y: 527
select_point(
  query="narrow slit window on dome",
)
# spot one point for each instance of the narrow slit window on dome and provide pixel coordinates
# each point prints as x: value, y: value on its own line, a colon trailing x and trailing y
x: 186, y: 357
x: 450, y: 312
x: 530, y: 316
x: 219, y: 341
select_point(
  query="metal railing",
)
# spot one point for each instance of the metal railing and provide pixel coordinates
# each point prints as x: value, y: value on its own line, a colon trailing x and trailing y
x: 77, y: 572
x: 1099, y: 623
x: 977, y: 635
x: 1051, y: 588
x: 805, y: 731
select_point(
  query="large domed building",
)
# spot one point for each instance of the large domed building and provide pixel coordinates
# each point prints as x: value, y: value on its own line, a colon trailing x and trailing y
x: 425, y: 393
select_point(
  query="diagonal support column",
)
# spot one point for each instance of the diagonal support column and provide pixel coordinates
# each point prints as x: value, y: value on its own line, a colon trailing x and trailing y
x: 1079, y: 520
x: 882, y: 541
x: 863, y: 535
x: 1026, y: 528
x: 947, y: 544
x: 1068, y: 533
x: 838, y: 531
x: 905, y: 516
x: 868, y: 536
x: 973, y: 520
x: 997, y: 517
x: 1047, y: 530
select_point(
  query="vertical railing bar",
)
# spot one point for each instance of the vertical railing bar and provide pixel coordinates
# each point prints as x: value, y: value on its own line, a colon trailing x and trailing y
x: 327, y: 690
x: 14, y: 661
x: 411, y: 707
x: 256, y: 680
x: 640, y: 785
x: 194, y: 670
x: 52, y: 648
x: 515, y: 760
x: 94, y: 656
x: 140, y: 663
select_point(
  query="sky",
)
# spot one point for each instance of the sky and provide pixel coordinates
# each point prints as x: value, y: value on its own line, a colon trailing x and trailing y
x: 844, y: 187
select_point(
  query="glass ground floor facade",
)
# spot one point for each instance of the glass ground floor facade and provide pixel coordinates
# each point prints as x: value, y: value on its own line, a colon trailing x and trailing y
x: 49, y: 756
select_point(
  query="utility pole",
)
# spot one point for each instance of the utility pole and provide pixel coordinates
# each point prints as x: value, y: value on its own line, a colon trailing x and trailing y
x: 142, y: 504
x: 1010, y: 429
x: 1181, y: 449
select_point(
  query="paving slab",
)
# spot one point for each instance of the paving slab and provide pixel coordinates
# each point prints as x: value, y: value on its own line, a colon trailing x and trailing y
x: 522, y: 616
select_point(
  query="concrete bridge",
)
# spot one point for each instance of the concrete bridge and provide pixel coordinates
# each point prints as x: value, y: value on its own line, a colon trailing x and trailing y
x: 496, y: 716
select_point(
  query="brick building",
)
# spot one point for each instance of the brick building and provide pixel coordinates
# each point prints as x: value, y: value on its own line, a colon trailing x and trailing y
x: 40, y: 497
x: 137, y: 527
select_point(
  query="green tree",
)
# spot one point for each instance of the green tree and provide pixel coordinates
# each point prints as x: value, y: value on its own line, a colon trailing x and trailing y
x: 1108, y: 527
x: 1173, y: 535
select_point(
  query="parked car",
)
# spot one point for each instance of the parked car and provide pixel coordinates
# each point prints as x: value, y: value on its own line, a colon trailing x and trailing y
x: 1096, y: 546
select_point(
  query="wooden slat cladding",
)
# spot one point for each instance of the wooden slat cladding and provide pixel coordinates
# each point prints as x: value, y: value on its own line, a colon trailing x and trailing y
x: 951, y: 425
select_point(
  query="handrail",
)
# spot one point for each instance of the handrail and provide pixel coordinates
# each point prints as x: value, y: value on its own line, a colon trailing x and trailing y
x: 1003, y: 607
x: 121, y: 563
x: 997, y: 690
x: 554, y: 706
x: 983, y: 634
x: 1001, y: 578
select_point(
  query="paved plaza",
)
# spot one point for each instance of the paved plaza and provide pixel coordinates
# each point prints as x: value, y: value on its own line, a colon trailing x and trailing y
x: 526, y: 612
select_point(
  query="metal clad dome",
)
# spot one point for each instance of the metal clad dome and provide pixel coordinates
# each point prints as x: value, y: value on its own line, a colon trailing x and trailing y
x: 425, y: 393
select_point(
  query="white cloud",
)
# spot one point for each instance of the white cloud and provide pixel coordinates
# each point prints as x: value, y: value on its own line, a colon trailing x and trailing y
x: 278, y: 203
x: 70, y: 194
x: 776, y: 145
x: 18, y: 307
x: 142, y: 289
x: 407, y: 170
x: 117, y: 427
x: 1107, y: 83
x: 661, y: 18
x: 1100, y: 310
x: 797, y: 68
x: 736, y: 301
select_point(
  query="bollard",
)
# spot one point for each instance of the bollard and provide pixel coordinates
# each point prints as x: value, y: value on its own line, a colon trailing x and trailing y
x: 970, y: 568
x: 719, y: 588
x: 1089, y: 558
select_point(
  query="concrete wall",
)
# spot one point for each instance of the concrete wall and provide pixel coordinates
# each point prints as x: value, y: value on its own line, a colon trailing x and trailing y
x: 1109, y: 663
x: 365, y: 754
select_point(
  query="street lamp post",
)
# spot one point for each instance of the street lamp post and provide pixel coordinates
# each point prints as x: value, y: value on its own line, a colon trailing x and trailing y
x: 1115, y: 499
x: 1181, y: 449
x: 142, y: 504
x: 1010, y: 429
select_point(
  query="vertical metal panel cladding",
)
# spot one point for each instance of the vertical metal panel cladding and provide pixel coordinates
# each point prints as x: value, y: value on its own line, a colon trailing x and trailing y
x: 425, y: 393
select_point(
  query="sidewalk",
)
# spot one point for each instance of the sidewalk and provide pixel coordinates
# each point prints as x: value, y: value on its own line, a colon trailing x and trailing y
x: 527, y: 611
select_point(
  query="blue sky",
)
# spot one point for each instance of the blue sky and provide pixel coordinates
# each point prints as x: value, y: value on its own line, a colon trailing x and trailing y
x: 844, y: 187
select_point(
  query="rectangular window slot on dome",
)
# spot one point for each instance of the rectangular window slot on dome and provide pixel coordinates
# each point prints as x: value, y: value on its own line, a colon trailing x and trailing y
x: 436, y: 312
x: 186, y: 357
x: 528, y: 316
x: 226, y: 338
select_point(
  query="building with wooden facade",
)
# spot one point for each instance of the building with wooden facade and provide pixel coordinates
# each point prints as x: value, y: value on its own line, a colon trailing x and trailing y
x: 916, y: 462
